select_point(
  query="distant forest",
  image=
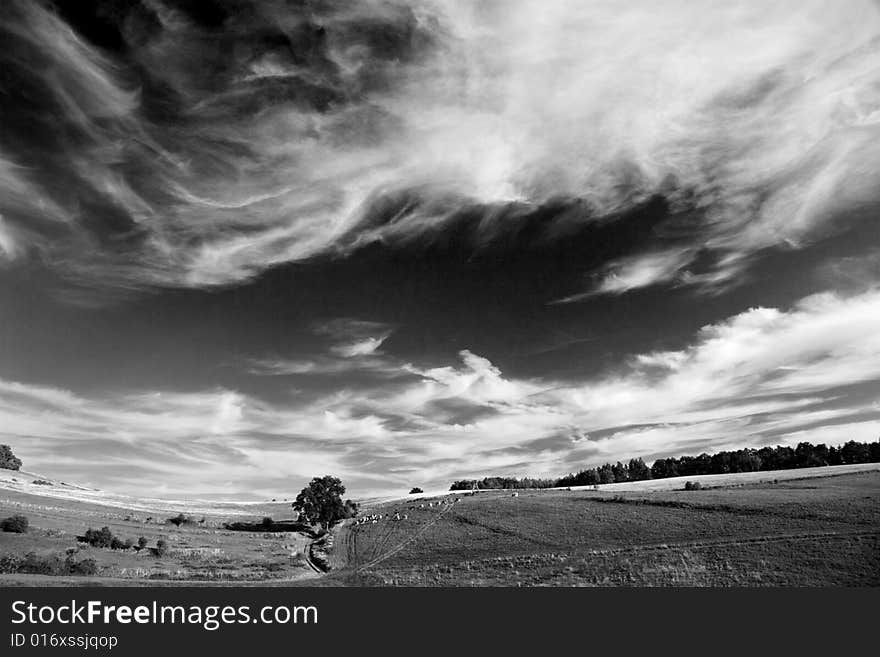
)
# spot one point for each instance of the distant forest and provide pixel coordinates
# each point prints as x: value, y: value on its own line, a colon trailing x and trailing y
x: 805, y: 455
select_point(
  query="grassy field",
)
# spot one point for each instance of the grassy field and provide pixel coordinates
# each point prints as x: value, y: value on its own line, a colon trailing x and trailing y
x: 199, y: 551
x: 812, y: 532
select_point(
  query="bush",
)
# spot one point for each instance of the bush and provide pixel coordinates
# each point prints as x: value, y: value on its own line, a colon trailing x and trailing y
x: 692, y: 485
x: 416, y: 490
x: 86, y: 566
x: 101, y: 538
x: 17, y: 524
x: 161, y: 547
x: 142, y: 542
x: 267, y: 522
x: 276, y: 526
x: 104, y: 538
x: 46, y: 564
x: 179, y: 520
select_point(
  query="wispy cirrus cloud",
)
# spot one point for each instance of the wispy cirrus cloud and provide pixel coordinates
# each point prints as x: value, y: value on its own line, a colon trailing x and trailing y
x: 354, y: 346
x: 634, y: 272
x: 174, y: 150
x: 355, y: 338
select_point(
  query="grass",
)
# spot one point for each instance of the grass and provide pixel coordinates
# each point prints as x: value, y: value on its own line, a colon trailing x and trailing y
x: 201, y: 552
x: 808, y: 532
x: 803, y: 533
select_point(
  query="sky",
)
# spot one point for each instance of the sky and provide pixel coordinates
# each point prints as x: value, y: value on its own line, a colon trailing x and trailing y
x: 243, y: 244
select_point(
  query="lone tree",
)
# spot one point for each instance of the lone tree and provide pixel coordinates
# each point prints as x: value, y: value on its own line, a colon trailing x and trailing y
x: 320, y: 503
x: 8, y: 460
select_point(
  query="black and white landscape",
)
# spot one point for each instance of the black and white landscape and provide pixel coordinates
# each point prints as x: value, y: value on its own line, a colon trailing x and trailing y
x: 555, y: 251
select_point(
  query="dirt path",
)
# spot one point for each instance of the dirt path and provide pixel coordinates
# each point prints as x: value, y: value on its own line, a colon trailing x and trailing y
x: 312, y: 564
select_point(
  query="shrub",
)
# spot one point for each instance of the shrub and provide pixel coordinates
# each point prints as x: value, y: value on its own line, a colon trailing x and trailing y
x: 179, y: 520
x: 17, y: 524
x: 692, y: 485
x: 142, y: 542
x: 46, y: 564
x: 102, y: 538
x: 161, y: 547
x: 415, y: 490
x: 42, y: 564
x: 267, y: 521
x: 86, y: 566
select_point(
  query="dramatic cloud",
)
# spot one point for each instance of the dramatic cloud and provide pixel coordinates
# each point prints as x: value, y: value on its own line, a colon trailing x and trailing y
x: 763, y: 376
x: 162, y: 145
x: 243, y: 243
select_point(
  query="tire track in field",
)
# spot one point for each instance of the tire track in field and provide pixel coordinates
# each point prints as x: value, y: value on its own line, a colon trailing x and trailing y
x: 385, y: 534
x: 381, y: 536
x: 723, y: 542
x: 400, y: 546
x: 732, y: 509
x: 503, y: 531
x: 351, y: 546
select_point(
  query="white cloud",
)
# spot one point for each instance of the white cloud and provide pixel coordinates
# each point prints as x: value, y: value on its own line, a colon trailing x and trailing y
x: 766, y: 116
x: 355, y: 347
x: 764, y: 375
x: 636, y: 272
x: 365, y: 347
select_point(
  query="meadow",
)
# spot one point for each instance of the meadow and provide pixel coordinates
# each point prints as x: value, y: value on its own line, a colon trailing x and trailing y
x: 809, y: 532
x: 200, y: 550
x: 821, y: 528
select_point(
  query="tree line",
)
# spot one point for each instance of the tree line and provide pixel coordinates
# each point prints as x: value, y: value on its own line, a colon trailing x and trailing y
x: 502, y: 482
x: 805, y: 455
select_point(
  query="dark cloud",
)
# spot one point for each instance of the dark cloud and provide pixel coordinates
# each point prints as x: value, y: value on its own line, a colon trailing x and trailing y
x: 168, y: 143
x: 138, y: 135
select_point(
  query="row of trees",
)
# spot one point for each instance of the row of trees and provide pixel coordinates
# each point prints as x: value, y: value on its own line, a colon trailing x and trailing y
x: 609, y: 473
x: 805, y: 455
x: 502, y: 482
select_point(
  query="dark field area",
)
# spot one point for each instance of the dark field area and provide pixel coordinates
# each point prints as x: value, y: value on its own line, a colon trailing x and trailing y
x: 814, y: 532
